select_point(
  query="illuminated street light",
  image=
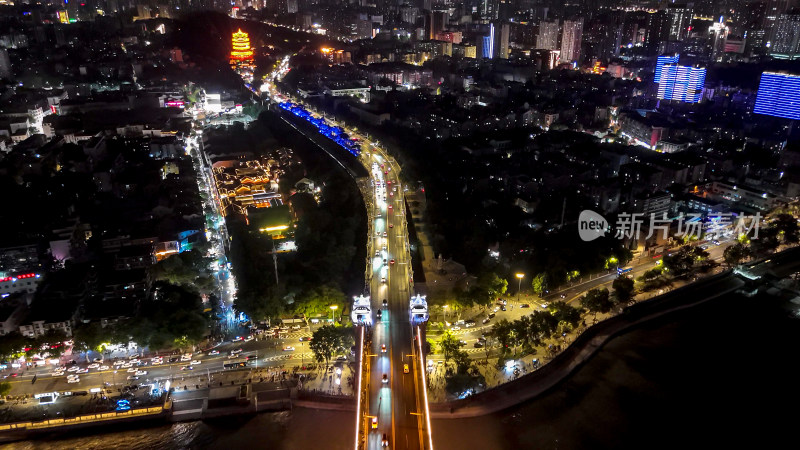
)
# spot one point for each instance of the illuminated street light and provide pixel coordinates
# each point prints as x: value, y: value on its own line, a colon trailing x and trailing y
x: 519, y: 276
x: 334, y: 308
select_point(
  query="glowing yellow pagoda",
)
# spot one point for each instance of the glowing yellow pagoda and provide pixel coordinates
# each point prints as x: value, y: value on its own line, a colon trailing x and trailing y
x: 240, y: 47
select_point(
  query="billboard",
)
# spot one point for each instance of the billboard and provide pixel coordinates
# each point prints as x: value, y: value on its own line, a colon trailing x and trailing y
x: 779, y: 95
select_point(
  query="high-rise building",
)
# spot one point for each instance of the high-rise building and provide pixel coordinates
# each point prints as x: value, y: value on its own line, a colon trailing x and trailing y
x: 548, y: 36
x: 680, y: 19
x: 786, y: 36
x: 779, y: 95
x: 658, y: 25
x: 5, y: 65
x: 501, y: 40
x: 571, y: 40
x: 664, y: 59
x: 681, y: 83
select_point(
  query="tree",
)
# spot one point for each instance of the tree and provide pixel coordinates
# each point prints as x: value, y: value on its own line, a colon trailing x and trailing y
x: 448, y: 344
x: 329, y: 339
x: 735, y: 254
x: 505, y: 334
x: 597, y: 301
x: 318, y: 300
x: 539, y: 283
x: 623, y: 289
x: 787, y: 227
x: 90, y: 336
x: 5, y: 388
x: 12, y: 345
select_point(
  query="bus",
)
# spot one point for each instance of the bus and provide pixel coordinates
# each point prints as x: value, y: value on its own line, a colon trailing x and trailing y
x: 235, y: 365
x: 624, y: 270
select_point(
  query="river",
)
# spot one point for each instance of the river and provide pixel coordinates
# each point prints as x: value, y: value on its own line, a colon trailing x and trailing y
x: 719, y: 376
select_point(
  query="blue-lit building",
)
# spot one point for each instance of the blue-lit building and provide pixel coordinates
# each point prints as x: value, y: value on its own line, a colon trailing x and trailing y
x: 664, y: 59
x: 779, y: 95
x: 681, y: 83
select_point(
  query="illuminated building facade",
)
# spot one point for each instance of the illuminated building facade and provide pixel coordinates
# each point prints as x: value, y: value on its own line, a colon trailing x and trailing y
x: 779, y: 95
x: 664, y: 59
x: 681, y: 83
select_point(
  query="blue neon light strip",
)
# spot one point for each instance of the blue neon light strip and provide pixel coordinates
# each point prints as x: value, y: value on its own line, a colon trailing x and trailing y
x: 681, y: 83
x: 666, y: 59
x: 333, y: 133
x: 778, y: 95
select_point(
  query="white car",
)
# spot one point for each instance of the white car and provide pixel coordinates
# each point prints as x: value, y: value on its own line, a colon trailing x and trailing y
x: 83, y: 371
x: 73, y: 380
x: 288, y: 349
x: 73, y: 369
x: 93, y: 366
x: 126, y: 366
x: 213, y: 352
x: 233, y: 356
x: 455, y: 328
x: 103, y: 368
x: 157, y: 363
x: 133, y: 370
x: 186, y: 358
x: 118, y: 363
x: 195, y: 362
x: 141, y: 372
x: 58, y: 374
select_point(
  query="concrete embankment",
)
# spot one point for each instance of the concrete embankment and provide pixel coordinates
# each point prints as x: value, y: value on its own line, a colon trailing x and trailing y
x: 585, y: 346
x: 180, y: 406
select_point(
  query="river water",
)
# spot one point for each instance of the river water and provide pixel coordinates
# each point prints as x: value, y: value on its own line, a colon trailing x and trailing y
x: 724, y: 375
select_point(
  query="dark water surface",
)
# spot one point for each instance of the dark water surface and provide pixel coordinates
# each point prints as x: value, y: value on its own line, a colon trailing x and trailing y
x: 722, y: 376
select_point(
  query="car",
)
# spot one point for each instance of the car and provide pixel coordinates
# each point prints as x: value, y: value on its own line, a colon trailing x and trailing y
x: 379, y: 313
x: 377, y: 233
x: 503, y: 308
x: 126, y: 366
x: 83, y: 371
x: 288, y: 349
x: 195, y: 362
x: 186, y: 358
x: 305, y: 338
x: 525, y: 305
x: 141, y: 372
x: 405, y: 368
x: 391, y: 262
x: 374, y: 423
x: 157, y: 362
x: 455, y: 328
x: 491, y: 315
x: 249, y: 338
x: 385, y: 263
x: 390, y: 206
x: 470, y: 324
x: 377, y: 253
x: 715, y: 242
x: 213, y: 353
x: 233, y: 356
x: 341, y: 358
x: 385, y: 302
x: 187, y: 368
x: 496, y: 308
x: 73, y: 369
x: 478, y: 344
x: 93, y: 366
x: 462, y: 342
x: 383, y: 280
x: 118, y: 363
x: 57, y: 374
x: 485, y: 321
x: 385, y: 378
x: 73, y: 380
x: 391, y: 225
x: 384, y: 441
x: 105, y: 367
x: 545, y: 305
x: 133, y: 370
x: 235, y: 351
x: 383, y: 348
x: 132, y: 378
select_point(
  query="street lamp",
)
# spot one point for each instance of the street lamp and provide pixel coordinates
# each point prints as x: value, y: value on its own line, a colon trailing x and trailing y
x: 334, y: 308
x: 519, y: 276
x: 445, y: 312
